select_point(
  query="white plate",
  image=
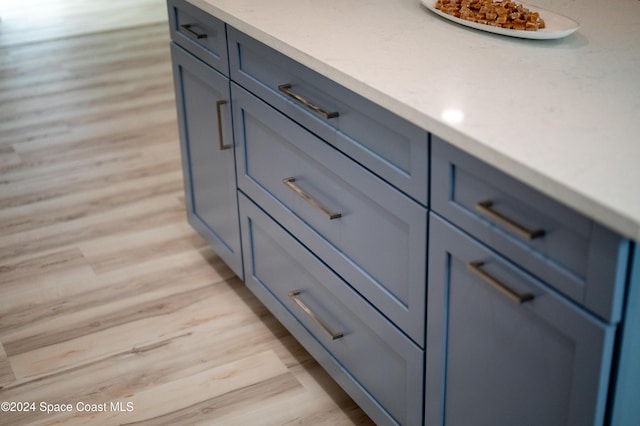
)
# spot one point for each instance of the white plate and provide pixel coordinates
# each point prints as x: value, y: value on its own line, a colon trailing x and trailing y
x: 557, y: 26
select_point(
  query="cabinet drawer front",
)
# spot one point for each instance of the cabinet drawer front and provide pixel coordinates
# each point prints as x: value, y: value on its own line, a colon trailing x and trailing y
x: 377, y: 244
x: 372, y: 360
x: 542, y: 362
x: 199, y: 33
x: 386, y: 144
x: 580, y: 258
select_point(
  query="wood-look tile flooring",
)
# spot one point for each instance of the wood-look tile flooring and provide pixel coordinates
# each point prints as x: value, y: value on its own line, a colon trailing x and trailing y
x: 23, y: 21
x: 106, y: 294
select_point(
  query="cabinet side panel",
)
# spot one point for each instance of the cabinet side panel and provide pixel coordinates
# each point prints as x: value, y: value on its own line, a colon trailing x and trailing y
x: 626, y: 409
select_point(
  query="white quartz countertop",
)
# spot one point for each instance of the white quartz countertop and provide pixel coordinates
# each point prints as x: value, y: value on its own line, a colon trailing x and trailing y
x: 561, y: 115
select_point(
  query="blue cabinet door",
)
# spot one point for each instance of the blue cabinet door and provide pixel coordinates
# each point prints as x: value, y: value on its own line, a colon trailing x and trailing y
x: 502, y: 347
x: 206, y: 141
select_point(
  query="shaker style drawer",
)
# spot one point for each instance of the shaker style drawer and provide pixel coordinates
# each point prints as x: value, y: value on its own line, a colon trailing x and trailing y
x: 575, y: 255
x: 384, y: 143
x: 199, y: 33
x: 376, y: 364
x: 503, y: 348
x: 372, y: 235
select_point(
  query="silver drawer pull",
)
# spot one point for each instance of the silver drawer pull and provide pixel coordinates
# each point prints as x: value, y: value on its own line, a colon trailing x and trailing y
x: 333, y: 336
x: 290, y: 182
x: 219, y: 114
x: 476, y: 268
x: 187, y: 29
x: 485, y: 207
x: 286, y: 89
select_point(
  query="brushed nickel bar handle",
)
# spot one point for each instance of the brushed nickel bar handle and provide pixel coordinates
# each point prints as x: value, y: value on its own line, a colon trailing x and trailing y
x: 290, y: 182
x: 187, y: 29
x: 219, y: 114
x: 485, y: 207
x: 476, y: 268
x: 332, y: 335
x: 286, y: 89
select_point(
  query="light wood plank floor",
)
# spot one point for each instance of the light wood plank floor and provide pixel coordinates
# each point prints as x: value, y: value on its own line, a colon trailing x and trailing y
x: 106, y: 294
x: 26, y: 21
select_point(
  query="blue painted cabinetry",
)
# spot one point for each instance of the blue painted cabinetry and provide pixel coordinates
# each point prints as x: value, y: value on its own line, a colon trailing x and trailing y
x: 332, y: 248
x: 525, y: 300
x: 370, y: 358
x: 502, y: 347
x: 302, y: 181
x: 206, y: 143
x: 384, y: 143
x: 332, y: 193
x: 433, y: 288
x: 578, y: 257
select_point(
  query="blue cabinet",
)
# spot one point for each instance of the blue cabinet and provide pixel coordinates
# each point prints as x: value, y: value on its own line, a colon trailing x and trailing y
x: 333, y: 211
x: 498, y: 307
x: 625, y: 408
x: 371, y: 359
x: 505, y: 349
x: 207, y: 148
x: 577, y: 256
x: 384, y: 143
x: 367, y: 231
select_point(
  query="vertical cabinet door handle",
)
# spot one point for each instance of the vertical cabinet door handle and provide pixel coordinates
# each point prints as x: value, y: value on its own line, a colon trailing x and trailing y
x: 219, y: 114
x: 290, y: 183
x: 187, y: 29
x: 331, y: 334
x: 476, y: 268
x: 486, y: 208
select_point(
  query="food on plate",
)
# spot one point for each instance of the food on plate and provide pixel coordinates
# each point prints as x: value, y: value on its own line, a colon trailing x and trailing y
x: 498, y: 13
